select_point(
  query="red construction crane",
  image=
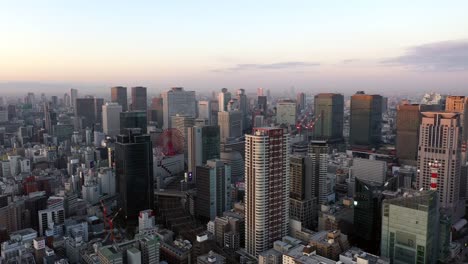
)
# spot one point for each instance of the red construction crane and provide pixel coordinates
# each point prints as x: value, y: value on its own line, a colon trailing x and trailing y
x: 111, y: 224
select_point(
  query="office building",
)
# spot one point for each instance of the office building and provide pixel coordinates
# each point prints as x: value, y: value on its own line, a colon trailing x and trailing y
x: 183, y: 123
x: 203, y: 144
x: 301, y: 101
x: 439, y: 156
x: 365, y: 120
x: 86, y: 110
x: 267, y: 188
x: 369, y: 170
x: 119, y: 96
x: 368, y: 215
x: 213, y: 189
x: 262, y: 104
x: 111, y: 119
x: 230, y: 125
x: 410, y: 228
x: 134, y: 171
x: 73, y: 97
x: 303, y: 206
x: 223, y: 99
x: 204, y: 110
x: 234, y: 158
x: 178, y: 101
x: 50, y: 216
x: 407, y: 132
x: 139, y: 99
x: 318, y: 152
x: 329, y: 244
x: 329, y: 113
x: 134, y: 119
x: 243, y: 106
x: 459, y: 104
x: 286, y: 112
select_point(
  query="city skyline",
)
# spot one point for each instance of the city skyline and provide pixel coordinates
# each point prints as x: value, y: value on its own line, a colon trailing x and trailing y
x: 343, y: 47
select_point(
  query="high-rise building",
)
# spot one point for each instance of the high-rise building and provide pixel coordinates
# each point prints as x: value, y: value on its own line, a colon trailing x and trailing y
x: 369, y: 170
x: 329, y: 111
x: 139, y: 99
x: 365, y: 120
x: 87, y: 110
x: 286, y: 112
x: 459, y: 104
x: 204, y: 110
x: 262, y: 104
x: 47, y: 118
x: 119, y: 95
x: 73, y: 97
x: 157, y: 106
x: 267, y: 188
x: 301, y: 101
x: 203, y: 144
x: 213, y: 189
x: 223, y: 99
x: 111, y: 119
x: 134, y: 119
x: 178, y: 101
x: 439, y: 156
x: 230, y: 125
x: 54, y: 215
x: 134, y: 172
x: 410, y: 228
x: 302, y: 205
x: 407, y: 132
x: 318, y: 152
x: 183, y: 123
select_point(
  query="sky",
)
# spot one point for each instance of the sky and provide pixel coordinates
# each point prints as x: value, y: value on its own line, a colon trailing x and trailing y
x: 343, y: 46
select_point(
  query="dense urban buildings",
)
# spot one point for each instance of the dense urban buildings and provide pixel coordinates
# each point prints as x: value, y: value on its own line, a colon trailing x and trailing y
x: 139, y: 99
x: 119, y: 96
x: 178, y: 101
x: 111, y: 119
x: 329, y: 113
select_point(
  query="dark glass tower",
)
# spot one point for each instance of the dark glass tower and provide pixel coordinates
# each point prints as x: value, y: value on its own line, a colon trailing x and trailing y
x: 139, y: 101
x: 134, y: 172
x: 329, y: 110
x: 90, y: 110
x: 365, y: 120
x: 119, y: 95
x: 136, y: 119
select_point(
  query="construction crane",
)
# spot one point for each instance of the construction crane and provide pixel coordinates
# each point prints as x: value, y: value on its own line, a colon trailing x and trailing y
x: 111, y: 224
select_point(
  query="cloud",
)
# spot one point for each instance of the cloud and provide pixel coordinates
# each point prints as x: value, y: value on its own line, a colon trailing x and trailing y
x: 270, y: 66
x: 349, y: 61
x: 438, y: 56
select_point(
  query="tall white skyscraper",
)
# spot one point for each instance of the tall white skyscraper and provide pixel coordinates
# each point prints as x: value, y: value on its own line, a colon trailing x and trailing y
x: 286, y: 112
x: 230, y: 125
x: 223, y: 99
x: 178, y: 101
x: 111, y: 118
x: 267, y: 188
x: 439, y: 156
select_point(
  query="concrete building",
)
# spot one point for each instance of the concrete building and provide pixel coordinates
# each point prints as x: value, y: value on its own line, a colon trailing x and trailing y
x: 178, y: 101
x: 365, y: 120
x: 204, y: 110
x: 301, y: 101
x: 134, y: 119
x: 439, y: 156
x: 119, y: 96
x: 211, y: 258
x: 303, y: 205
x: 329, y: 111
x: 267, y: 180
x: 230, y: 125
x: 459, y: 104
x: 183, y: 123
x: 369, y: 170
x: 410, y: 228
x: 286, y: 112
x: 223, y: 99
x: 111, y: 119
x: 330, y: 244
x: 356, y: 255
x: 53, y: 215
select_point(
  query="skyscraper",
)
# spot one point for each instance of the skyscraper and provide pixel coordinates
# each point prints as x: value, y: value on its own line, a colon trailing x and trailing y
x: 213, y: 189
x: 286, y: 112
x: 410, y: 228
x: 204, y: 110
x: 134, y: 173
x: 243, y: 106
x: 203, y: 144
x: 407, y: 124
x: 183, y: 123
x: 439, y: 156
x: 262, y: 104
x: 139, y: 99
x: 459, y: 104
x: 230, y: 124
x: 301, y: 101
x: 302, y: 202
x: 73, y: 97
x: 86, y: 110
x: 318, y: 152
x: 119, y: 95
x: 111, y: 119
x: 178, y: 101
x: 267, y: 188
x: 329, y: 111
x: 365, y: 120
x: 223, y: 99
x: 135, y: 119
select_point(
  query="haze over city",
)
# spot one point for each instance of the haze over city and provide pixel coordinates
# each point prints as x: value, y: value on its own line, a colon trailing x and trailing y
x: 394, y: 46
